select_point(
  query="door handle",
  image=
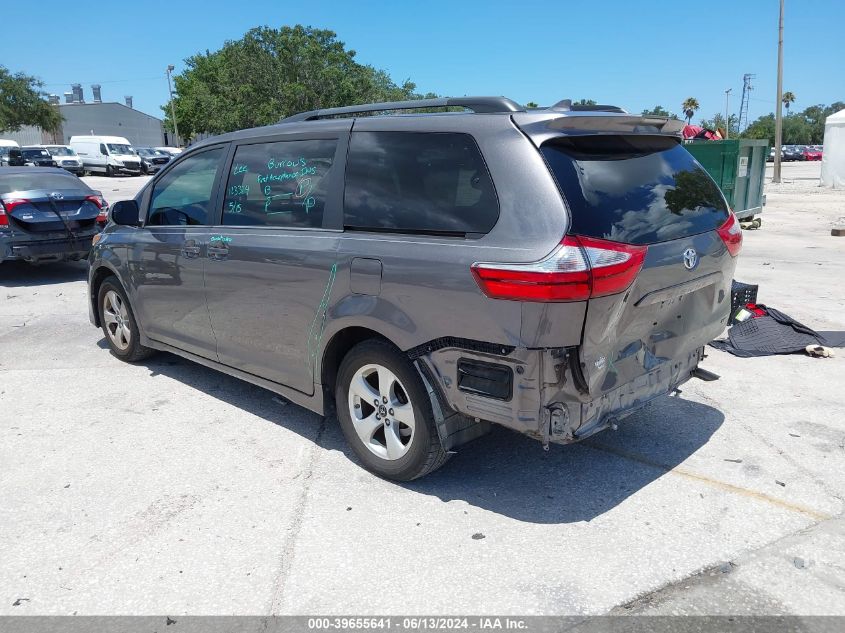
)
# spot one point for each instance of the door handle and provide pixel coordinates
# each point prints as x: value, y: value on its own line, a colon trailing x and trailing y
x: 218, y: 247
x: 190, y: 249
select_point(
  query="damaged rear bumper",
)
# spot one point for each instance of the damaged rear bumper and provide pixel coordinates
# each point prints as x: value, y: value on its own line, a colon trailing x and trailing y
x: 536, y: 392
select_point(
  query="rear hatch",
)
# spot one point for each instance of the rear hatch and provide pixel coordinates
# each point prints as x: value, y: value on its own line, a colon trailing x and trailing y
x: 646, y: 197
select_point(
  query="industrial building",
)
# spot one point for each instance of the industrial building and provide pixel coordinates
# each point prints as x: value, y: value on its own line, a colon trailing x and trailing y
x: 108, y: 118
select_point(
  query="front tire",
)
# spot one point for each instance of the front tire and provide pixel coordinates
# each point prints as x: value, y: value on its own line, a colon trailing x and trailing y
x: 118, y: 323
x: 109, y: 171
x: 385, y: 413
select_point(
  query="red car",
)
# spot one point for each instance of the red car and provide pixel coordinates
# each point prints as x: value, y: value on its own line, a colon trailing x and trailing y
x: 812, y: 153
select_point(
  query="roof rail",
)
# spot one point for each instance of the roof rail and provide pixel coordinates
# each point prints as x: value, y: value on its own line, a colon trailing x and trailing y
x: 476, y: 104
x: 567, y: 106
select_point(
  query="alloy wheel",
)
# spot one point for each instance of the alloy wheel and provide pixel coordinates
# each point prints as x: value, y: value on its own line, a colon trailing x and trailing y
x: 381, y: 412
x: 116, y: 318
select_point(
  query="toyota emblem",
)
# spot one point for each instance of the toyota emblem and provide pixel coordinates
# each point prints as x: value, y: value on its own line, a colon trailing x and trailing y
x: 57, y: 196
x: 690, y: 259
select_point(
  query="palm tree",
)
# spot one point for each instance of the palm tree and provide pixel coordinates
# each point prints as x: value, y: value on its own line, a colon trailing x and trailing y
x: 689, y: 106
x: 788, y: 98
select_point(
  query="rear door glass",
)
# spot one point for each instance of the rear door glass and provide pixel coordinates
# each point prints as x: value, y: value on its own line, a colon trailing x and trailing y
x: 634, y: 189
x: 414, y: 182
x: 279, y: 184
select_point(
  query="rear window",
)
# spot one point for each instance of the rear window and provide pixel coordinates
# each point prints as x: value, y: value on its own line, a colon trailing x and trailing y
x: 634, y: 189
x: 414, y: 182
x: 28, y: 182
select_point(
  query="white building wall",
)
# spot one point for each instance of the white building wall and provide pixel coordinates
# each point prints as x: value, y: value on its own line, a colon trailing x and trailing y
x: 27, y: 135
x: 111, y: 119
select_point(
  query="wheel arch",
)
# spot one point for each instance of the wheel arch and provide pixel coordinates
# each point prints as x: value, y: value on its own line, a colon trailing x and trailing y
x: 339, y: 345
x: 100, y: 274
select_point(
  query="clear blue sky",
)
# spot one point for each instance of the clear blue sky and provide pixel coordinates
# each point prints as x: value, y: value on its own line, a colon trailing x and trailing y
x: 626, y: 52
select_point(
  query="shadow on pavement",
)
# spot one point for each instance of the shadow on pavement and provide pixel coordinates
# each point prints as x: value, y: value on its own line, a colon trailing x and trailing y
x: 16, y: 274
x: 512, y: 475
x: 505, y: 472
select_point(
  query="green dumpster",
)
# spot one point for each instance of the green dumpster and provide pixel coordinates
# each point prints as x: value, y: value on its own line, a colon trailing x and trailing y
x: 739, y: 168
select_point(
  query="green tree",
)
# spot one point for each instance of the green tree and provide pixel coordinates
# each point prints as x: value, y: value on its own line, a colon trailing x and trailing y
x: 788, y: 99
x: 531, y: 104
x: 21, y: 103
x: 659, y: 111
x: 272, y: 73
x: 763, y: 127
x: 796, y: 131
x: 690, y: 106
x: 585, y: 102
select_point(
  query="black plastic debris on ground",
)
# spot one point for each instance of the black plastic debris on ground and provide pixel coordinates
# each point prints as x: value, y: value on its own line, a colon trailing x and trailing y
x: 774, y: 333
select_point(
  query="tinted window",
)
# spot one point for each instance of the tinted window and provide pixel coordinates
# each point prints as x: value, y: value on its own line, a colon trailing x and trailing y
x: 183, y: 195
x: 418, y: 182
x: 35, y: 153
x: 279, y: 184
x: 637, y: 190
x: 50, y: 182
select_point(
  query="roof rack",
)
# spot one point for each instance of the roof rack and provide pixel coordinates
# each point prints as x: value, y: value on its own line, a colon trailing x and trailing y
x: 567, y: 106
x: 476, y: 104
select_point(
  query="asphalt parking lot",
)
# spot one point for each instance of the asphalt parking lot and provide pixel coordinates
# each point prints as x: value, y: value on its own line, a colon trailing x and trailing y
x: 166, y: 487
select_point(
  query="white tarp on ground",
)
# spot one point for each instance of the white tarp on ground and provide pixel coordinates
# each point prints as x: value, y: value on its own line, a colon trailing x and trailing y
x: 833, y: 158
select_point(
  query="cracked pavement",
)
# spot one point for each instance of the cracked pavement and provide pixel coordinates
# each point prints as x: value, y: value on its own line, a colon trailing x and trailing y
x: 166, y: 487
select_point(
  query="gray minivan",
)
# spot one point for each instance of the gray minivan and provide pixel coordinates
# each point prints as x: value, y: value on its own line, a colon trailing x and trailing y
x: 547, y: 270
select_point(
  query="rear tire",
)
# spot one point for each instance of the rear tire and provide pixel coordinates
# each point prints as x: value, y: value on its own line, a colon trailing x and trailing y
x: 118, y: 323
x: 385, y: 413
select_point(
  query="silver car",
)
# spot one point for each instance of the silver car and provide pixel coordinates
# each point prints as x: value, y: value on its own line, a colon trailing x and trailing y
x: 549, y: 270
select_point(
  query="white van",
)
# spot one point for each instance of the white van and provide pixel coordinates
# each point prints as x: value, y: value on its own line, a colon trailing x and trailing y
x: 109, y: 155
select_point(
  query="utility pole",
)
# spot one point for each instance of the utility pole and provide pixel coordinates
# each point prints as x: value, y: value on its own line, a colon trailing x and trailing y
x: 779, y: 102
x: 727, y: 120
x: 170, y: 69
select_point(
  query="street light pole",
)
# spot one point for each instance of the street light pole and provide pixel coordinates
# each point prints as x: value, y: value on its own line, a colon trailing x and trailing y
x: 727, y: 120
x: 170, y: 69
x: 779, y: 102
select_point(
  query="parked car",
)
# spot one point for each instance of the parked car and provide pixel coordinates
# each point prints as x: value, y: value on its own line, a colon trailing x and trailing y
x: 152, y: 159
x: 812, y: 153
x: 47, y: 214
x: 66, y: 158
x: 10, y: 154
x: 109, y: 155
x: 771, y: 157
x: 792, y: 153
x: 37, y: 157
x: 172, y: 151
x: 430, y: 274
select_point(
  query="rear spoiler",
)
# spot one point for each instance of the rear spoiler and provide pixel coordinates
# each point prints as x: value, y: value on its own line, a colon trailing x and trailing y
x: 542, y: 127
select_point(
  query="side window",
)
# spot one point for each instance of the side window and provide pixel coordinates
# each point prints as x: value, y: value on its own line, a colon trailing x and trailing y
x: 183, y: 195
x: 103, y: 149
x: 279, y: 184
x: 412, y: 182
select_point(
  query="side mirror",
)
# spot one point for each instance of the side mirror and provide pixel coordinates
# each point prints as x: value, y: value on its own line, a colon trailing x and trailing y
x: 125, y: 213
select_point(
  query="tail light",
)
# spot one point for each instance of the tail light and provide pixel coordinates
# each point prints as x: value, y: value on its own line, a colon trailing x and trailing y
x: 731, y: 234
x: 6, y: 207
x: 100, y: 202
x: 579, y: 268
